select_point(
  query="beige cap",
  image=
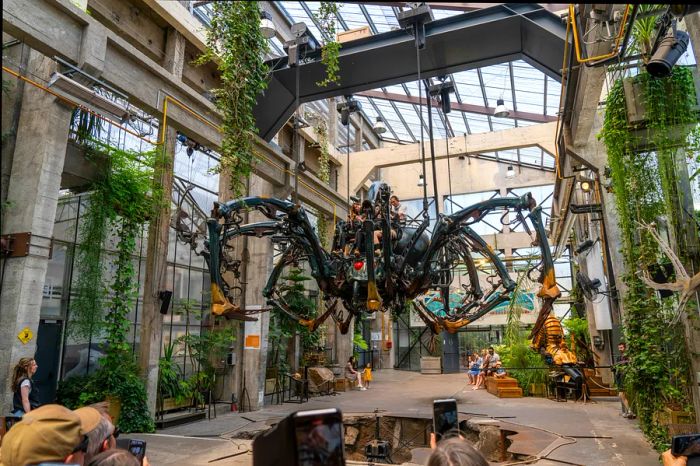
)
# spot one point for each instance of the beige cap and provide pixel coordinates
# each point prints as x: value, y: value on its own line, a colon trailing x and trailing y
x: 48, y: 433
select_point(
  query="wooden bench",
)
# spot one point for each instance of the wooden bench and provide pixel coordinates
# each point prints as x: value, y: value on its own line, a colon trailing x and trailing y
x: 342, y: 384
x: 503, y: 387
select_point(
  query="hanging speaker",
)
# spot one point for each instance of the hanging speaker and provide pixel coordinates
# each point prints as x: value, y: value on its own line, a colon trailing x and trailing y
x: 165, y: 296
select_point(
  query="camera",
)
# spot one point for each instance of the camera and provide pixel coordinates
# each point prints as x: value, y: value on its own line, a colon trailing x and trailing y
x: 445, y: 419
x: 312, y: 438
x: 686, y: 445
x: 134, y: 446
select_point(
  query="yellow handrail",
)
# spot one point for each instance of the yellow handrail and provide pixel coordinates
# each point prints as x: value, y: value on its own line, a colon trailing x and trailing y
x: 577, y: 46
x: 161, y: 141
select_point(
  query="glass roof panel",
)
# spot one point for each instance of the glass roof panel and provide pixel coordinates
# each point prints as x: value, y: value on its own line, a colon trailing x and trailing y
x: 457, y: 122
x: 527, y: 90
x: 296, y: 11
x: 383, y: 17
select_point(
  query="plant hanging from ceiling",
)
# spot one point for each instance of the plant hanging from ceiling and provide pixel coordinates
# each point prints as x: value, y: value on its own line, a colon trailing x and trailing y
x: 236, y: 44
x: 644, y: 165
x: 326, y: 17
x: 324, y: 174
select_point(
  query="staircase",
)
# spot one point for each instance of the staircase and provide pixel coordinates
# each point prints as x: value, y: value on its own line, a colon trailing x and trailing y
x: 503, y: 387
x: 596, y: 386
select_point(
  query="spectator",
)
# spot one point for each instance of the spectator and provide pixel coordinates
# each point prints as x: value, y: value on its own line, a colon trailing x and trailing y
x: 619, y: 371
x: 26, y: 395
x: 50, y: 433
x: 670, y: 460
x: 115, y: 458
x: 456, y: 451
x: 398, y: 211
x: 352, y: 374
x: 494, y: 358
x: 99, y: 431
x: 499, y: 372
x: 474, y: 367
x: 485, y: 362
x: 367, y: 375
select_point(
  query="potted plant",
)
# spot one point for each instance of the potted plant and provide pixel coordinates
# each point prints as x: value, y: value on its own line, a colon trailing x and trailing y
x: 173, y: 391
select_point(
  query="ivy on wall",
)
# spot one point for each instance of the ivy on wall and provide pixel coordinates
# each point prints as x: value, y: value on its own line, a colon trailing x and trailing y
x: 324, y: 174
x: 645, y: 186
x: 235, y: 43
x: 123, y: 199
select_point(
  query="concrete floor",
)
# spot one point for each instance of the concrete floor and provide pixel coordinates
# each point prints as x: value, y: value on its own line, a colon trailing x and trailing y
x: 411, y: 394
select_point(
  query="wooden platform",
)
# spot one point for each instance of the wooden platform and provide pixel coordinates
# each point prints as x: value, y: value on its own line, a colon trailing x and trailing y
x: 504, y: 387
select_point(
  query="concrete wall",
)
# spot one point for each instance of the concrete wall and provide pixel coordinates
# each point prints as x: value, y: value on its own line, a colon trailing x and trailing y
x: 32, y: 196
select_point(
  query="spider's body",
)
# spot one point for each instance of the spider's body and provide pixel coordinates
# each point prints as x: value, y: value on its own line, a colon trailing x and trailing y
x: 369, y: 277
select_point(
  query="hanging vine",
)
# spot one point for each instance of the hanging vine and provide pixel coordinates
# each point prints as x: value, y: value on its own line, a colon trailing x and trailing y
x: 324, y: 174
x: 645, y: 186
x: 235, y: 43
x: 326, y: 17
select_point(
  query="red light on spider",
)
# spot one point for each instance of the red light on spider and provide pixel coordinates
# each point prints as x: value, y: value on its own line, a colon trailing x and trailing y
x: 358, y: 265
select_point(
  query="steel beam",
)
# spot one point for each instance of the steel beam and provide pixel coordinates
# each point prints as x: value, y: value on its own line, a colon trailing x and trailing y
x: 461, y: 107
x: 489, y: 36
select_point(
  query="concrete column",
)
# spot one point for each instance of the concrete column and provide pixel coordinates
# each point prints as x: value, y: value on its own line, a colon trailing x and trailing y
x: 156, y: 261
x: 11, y: 106
x: 37, y: 164
x: 174, y: 59
x: 332, y: 123
x: 687, y: 242
x: 692, y: 24
x: 254, y: 361
x: 359, y: 129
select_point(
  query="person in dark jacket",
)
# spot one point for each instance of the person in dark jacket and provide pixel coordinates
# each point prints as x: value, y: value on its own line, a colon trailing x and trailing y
x: 26, y: 395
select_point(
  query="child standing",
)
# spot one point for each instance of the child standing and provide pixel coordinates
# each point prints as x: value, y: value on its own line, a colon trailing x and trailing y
x: 367, y: 374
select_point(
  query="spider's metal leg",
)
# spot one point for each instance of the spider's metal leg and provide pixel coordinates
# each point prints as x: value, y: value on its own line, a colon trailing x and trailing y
x: 313, y: 324
x: 345, y: 326
x: 374, y: 301
x: 430, y: 319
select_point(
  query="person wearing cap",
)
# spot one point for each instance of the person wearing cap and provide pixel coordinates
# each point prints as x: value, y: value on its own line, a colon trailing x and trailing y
x: 99, y: 431
x: 50, y: 433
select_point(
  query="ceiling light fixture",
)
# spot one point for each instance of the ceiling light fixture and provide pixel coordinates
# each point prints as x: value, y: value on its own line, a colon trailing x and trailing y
x: 670, y: 49
x: 585, y: 186
x: 267, y: 27
x: 379, y: 127
x: 501, y: 109
x: 89, y: 97
x: 510, y: 172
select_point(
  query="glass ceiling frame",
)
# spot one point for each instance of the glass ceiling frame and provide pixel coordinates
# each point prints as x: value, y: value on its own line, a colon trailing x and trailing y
x: 532, y: 96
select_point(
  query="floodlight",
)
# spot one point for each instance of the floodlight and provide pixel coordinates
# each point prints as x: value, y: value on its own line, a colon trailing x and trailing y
x: 510, y: 172
x: 346, y: 108
x: 501, y: 110
x: 379, y: 127
x: 667, y: 54
x: 89, y: 97
x: 267, y: 27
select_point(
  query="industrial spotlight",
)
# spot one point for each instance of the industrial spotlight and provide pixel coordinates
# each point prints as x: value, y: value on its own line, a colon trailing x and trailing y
x: 421, y: 180
x: 89, y: 97
x: 584, y: 246
x: 346, y: 108
x: 667, y: 53
x: 501, y: 110
x: 379, y: 127
x: 510, y: 172
x: 267, y: 27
